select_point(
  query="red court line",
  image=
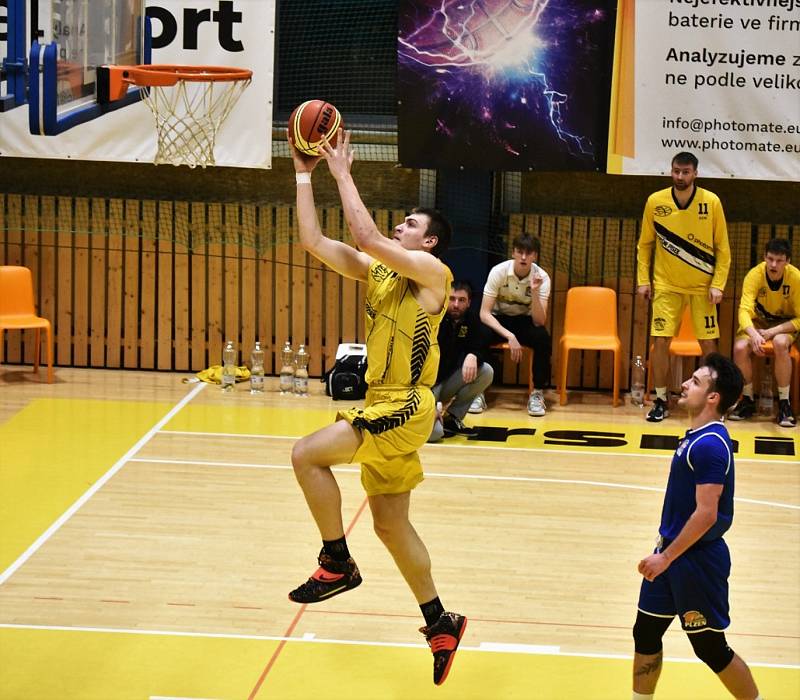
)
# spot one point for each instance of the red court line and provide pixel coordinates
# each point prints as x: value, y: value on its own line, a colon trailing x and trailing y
x: 288, y: 632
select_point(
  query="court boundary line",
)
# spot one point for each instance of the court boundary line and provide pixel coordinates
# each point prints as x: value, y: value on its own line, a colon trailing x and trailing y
x: 503, y: 446
x: 96, y: 486
x: 355, y: 642
x: 456, y: 475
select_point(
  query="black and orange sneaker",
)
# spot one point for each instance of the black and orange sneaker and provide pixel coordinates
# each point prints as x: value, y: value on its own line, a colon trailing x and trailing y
x: 443, y: 637
x: 332, y: 578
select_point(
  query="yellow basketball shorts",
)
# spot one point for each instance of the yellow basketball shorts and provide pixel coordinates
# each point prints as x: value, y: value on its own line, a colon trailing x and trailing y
x: 668, y: 308
x: 394, y: 423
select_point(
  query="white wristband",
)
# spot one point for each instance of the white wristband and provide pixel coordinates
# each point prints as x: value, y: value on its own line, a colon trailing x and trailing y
x: 303, y: 178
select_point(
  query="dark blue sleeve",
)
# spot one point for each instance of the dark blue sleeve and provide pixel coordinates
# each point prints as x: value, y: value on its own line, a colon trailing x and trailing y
x: 710, y: 459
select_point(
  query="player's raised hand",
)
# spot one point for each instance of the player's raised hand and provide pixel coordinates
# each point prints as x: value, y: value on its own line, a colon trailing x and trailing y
x: 302, y: 163
x: 340, y: 157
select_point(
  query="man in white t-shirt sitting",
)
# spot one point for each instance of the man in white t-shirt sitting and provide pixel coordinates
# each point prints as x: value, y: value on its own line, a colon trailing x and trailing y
x: 514, y: 310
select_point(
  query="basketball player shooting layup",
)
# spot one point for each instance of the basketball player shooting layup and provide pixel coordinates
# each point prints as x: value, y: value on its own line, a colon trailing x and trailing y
x: 407, y: 289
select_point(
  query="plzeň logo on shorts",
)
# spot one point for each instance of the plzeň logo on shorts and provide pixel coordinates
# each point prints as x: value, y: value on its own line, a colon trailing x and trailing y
x: 662, y: 210
x: 694, y: 620
x: 659, y: 323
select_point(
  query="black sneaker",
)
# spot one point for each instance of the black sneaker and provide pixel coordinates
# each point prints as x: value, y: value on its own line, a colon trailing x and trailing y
x: 455, y: 426
x: 443, y: 637
x: 659, y: 411
x: 746, y: 408
x: 332, y: 577
x: 786, y: 418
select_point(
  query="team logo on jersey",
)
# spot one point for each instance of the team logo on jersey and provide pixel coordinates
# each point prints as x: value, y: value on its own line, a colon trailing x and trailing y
x: 762, y: 292
x: 662, y: 210
x: 462, y: 331
x: 694, y: 620
x: 681, y: 447
x: 659, y: 323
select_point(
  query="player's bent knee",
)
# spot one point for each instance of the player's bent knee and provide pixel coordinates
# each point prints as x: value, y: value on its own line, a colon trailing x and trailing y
x: 647, y: 633
x: 712, y: 649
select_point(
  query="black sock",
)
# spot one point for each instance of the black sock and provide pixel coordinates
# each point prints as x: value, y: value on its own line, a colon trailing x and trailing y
x: 432, y: 611
x: 336, y: 549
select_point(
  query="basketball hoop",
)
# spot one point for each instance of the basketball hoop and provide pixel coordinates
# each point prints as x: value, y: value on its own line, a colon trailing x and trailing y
x: 189, y: 104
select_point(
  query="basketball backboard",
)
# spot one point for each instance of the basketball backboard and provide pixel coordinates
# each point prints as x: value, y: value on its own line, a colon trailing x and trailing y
x: 63, y: 42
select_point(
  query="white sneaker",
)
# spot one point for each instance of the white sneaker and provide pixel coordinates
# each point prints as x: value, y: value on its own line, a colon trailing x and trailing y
x: 478, y: 404
x: 536, y: 406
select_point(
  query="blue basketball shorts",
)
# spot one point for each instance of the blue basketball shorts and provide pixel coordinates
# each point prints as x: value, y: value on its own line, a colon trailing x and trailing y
x: 695, y: 587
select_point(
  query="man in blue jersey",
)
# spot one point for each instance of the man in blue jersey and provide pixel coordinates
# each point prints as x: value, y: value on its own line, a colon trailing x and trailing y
x: 687, y: 575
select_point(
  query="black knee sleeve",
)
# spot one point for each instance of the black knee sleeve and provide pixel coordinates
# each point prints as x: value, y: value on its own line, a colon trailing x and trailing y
x: 712, y: 649
x: 647, y: 633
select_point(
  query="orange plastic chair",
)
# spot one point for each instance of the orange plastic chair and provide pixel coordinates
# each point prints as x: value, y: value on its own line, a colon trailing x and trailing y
x: 794, y: 355
x: 685, y: 344
x: 18, y: 311
x: 527, y: 357
x: 590, y: 323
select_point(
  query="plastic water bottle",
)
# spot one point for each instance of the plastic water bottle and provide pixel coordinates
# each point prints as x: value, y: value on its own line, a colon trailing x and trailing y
x: 637, y: 382
x: 765, y: 402
x: 287, y: 369
x: 257, y: 369
x: 228, y: 366
x: 301, y: 372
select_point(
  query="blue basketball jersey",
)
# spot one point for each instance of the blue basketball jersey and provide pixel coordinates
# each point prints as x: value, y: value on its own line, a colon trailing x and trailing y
x: 704, y: 456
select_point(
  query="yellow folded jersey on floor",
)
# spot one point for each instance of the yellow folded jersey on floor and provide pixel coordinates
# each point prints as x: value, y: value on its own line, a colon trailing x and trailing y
x: 213, y: 375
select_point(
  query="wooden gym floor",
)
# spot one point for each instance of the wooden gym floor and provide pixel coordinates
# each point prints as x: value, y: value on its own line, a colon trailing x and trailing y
x: 150, y: 530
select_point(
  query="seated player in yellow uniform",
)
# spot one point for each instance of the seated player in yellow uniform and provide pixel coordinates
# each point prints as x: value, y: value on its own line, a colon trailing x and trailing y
x: 407, y: 290
x: 686, y: 225
x: 769, y: 310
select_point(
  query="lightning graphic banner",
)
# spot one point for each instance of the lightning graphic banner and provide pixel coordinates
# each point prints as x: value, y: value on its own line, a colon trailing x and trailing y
x: 504, y: 84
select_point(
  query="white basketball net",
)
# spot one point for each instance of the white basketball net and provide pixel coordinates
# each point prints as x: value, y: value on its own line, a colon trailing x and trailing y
x: 188, y: 116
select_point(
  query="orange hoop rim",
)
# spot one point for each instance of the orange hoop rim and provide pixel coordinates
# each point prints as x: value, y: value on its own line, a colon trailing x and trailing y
x: 166, y: 74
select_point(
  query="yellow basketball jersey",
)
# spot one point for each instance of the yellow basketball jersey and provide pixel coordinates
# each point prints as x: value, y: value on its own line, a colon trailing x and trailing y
x: 765, y: 304
x: 692, y: 250
x: 402, y: 346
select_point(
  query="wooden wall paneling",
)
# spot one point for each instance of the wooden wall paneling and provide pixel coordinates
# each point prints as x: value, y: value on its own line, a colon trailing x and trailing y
x: 148, y: 312
x: 132, y: 286
x: 265, y: 286
x: 116, y: 282
x: 350, y: 308
x: 331, y: 282
x: 198, y: 270
x: 165, y: 312
x: 215, y: 284
x: 14, y: 246
x: 249, y: 294
x: 796, y: 245
x: 65, y: 282
x: 81, y: 283
x: 98, y: 266
x: 232, y: 258
x: 315, y: 312
x: 764, y: 232
x: 298, y: 290
x: 182, y: 302
x: 31, y: 252
x: 560, y: 285
x: 46, y: 301
x: 282, y: 300
x: 627, y: 300
x: 3, y: 229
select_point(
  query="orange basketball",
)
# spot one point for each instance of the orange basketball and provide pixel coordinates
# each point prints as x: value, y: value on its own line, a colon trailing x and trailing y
x: 310, y: 123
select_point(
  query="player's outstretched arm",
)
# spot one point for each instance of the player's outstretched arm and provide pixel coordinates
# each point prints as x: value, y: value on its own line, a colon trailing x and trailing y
x: 339, y: 256
x: 420, y: 266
